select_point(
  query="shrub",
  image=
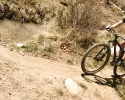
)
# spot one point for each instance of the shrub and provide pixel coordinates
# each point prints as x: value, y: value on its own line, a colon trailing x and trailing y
x: 31, y: 47
x: 40, y: 39
x: 48, y: 49
x: 85, y: 17
x: 82, y: 19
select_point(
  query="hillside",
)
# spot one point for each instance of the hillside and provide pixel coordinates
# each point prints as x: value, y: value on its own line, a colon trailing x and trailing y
x: 40, y: 68
x: 27, y: 77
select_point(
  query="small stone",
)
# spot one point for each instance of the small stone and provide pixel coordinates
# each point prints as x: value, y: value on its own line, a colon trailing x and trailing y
x: 11, y: 49
x: 21, y: 52
x: 20, y: 45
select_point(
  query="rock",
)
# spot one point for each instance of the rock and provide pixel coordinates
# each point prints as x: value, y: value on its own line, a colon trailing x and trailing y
x: 21, y: 52
x: 20, y: 45
x: 11, y: 49
x: 3, y: 44
x: 72, y: 86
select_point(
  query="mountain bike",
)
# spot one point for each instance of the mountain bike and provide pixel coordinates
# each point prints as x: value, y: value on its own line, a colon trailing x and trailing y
x: 98, y: 55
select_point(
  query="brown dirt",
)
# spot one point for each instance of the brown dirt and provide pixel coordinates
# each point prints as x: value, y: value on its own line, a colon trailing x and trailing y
x: 31, y: 78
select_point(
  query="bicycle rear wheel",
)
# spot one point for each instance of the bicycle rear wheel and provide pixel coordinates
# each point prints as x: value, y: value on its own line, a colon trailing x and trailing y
x: 95, y: 58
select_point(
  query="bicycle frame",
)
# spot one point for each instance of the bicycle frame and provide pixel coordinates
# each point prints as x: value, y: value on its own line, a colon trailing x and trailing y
x: 115, y: 43
x: 101, y: 57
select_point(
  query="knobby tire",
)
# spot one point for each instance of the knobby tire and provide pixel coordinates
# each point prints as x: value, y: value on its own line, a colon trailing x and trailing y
x: 89, y: 61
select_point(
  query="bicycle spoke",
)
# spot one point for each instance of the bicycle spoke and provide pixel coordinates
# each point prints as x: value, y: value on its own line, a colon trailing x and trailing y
x: 95, y: 58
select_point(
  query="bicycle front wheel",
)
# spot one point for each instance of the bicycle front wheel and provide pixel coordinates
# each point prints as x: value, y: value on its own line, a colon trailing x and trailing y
x: 95, y: 58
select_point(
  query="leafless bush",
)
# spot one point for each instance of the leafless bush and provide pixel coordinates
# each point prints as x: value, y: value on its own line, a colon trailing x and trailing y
x: 82, y: 18
x: 85, y: 17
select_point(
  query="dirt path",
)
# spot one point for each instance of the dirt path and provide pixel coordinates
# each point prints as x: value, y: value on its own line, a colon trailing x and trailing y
x: 46, y: 67
x: 31, y: 78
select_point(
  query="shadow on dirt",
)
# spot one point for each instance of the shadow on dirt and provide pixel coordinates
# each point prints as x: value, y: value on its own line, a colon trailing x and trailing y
x: 118, y: 83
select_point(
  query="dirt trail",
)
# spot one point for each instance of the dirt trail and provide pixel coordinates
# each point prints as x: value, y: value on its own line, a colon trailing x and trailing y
x: 27, y: 77
x: 46, y: 67
x: 31, y: 78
